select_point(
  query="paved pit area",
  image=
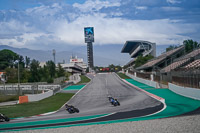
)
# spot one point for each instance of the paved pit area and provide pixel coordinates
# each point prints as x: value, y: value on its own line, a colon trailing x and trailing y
x: 183, y: 124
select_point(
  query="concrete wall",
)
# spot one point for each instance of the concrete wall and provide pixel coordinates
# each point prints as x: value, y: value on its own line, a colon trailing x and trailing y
x: 51, y: 87
x: 185, y: 91
x: 75, y: 78
x: 38, y: 97
x: 147, y: 82
x: 15, y: 87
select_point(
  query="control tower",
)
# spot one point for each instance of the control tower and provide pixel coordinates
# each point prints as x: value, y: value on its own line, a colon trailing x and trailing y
x: 89, y: 39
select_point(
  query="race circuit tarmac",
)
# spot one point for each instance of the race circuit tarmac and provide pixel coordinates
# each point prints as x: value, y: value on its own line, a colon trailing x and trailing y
x: 93, y: 100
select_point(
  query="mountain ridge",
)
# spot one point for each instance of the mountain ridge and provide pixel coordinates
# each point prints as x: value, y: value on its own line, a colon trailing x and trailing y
x: 104, y: 55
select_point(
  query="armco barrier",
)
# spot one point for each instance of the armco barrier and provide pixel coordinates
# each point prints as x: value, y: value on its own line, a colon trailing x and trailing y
x: 185, y: 91
x: 144, y: 81
x: 37, y: 97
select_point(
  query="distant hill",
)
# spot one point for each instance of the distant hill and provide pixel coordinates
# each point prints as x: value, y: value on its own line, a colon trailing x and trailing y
x: 103, y: 54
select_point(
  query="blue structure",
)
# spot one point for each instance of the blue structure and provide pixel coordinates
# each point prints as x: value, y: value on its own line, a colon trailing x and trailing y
x: 89, y: 38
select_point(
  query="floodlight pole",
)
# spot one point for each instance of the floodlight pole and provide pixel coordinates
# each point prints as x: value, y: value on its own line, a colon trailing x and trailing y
x: 19, y: 91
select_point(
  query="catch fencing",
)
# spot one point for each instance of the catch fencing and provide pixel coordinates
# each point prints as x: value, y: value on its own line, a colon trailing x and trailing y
x: 15, y: 89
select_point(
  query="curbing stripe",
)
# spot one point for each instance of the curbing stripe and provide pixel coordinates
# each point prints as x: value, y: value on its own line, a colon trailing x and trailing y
x: 150, y: 94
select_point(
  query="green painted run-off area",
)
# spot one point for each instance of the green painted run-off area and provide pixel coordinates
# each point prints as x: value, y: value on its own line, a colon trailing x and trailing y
x: 74, y: 87
x: 176, y: 105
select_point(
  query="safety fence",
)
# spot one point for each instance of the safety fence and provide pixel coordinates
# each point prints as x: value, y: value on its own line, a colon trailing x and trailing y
x: 14, y: 89
x: 189, y: 78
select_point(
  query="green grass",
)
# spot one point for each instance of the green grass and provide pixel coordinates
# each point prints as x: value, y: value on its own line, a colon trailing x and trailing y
x: 84, y: 80
x: 49, y: 104
x: 123, y: 76
x: 6, y: 98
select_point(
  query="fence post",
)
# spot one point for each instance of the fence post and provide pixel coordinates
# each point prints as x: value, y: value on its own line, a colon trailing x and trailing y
x: 152, y: 78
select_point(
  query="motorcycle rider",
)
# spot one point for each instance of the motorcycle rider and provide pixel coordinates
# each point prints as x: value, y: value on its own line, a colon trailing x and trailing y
x: 4, y: 118
x: 69, y: 107
x: 112, y: 100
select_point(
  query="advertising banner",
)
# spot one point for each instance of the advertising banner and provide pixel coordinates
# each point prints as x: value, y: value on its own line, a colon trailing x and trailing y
x: 89, y: 34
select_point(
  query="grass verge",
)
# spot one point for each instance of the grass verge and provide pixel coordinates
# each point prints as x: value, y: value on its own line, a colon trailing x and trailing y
x: 49, y: 104
x: 123, y: 76
x: 6, y: 98
x: 84, y: 80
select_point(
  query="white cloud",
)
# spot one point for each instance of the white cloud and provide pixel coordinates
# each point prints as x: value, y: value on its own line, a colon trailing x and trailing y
x: 174, y: 1
x: 141, y: 7
x: 54, y: 24
x: 107, y: 31
x: 91, y: 5
x: 118, y: 30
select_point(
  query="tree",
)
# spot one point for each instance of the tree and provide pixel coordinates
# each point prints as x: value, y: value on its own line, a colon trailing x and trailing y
x: 34, y: 69
x: 87, y: 69
x: 61, y: 71
x: 21, y: 60
x: 51, y: 68
x: 27, y: 61
x: 142, y: 60
x: 44, y: 73
x: 25, y: 76
x: 171, y: 47
x: 11, y: 74
x: 7, y: 58
x: 190, y: 45
x: 112, y: 67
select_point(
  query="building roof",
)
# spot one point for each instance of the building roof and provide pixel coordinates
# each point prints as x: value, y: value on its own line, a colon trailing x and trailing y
x: 129, y: 46
x: 189, y: 55
x: 174, y: 65
x: 179, y: 62
x: 135, y: 47
x: 193, y: 65
x: 160, y: 58
x: 1, y: 73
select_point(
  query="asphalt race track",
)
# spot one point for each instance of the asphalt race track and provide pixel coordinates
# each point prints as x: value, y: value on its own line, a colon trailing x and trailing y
x: 93, y: 100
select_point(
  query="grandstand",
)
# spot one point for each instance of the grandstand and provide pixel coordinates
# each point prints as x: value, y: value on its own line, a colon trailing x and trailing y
x: 173, y: 66
x: 184, y: 60
x: 163, y: 60
x: 136, y: 48
x: 193, y: 65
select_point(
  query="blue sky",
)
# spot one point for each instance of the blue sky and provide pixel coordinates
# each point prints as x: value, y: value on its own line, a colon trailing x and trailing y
x: 48, y: 24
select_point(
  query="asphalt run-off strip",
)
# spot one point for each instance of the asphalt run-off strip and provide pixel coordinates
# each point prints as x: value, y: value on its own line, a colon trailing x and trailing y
x: 74, y: 87
x: 11, y: 125
x: 176, y: 105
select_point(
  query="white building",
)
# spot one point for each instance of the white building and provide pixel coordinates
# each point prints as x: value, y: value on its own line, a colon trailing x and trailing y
x: 79, y: 62
x: 76, y: 65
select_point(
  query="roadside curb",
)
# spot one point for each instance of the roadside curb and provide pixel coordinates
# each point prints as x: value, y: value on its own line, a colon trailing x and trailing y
x: 34, y: 115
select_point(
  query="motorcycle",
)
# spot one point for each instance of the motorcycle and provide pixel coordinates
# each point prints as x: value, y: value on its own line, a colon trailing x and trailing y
x: 71, y: 109
x: 4, y: 118
x: 113, y: 101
